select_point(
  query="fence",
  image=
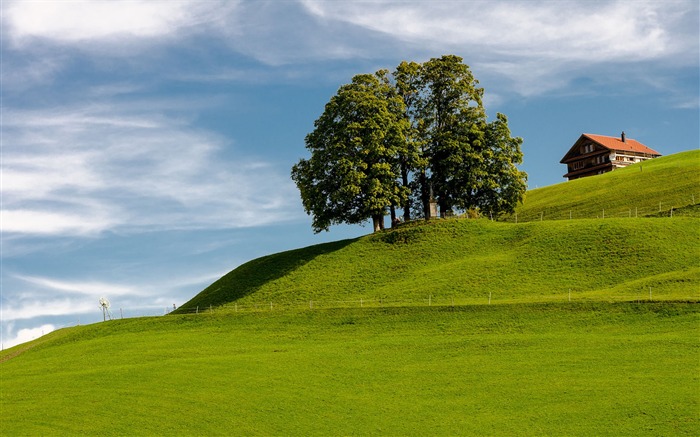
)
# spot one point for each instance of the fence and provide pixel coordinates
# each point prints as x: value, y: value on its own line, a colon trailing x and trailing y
x: 664, y: 209
x: 641, y: 295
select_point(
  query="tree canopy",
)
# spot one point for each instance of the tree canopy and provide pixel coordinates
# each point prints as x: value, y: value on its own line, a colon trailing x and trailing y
x: 386, y: 141
x: 355, y: 149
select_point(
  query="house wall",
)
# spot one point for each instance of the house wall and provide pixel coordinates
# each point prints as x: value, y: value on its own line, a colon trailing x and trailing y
x: 623, y: 159
x: 592, y: 164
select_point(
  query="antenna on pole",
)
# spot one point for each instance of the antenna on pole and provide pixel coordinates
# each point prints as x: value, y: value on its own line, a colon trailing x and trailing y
x: 104, y: 305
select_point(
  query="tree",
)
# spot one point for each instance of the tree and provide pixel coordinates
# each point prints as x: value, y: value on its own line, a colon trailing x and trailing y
x: 452, y: 126
x: 463, y: 161
x: 407, y: 82
x: 503, y: 186
x: 352, y: 174
x: 380, y: 145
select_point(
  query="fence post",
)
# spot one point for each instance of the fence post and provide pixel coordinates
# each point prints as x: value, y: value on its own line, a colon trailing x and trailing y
x: 489, y: 298
x: 197, y: 310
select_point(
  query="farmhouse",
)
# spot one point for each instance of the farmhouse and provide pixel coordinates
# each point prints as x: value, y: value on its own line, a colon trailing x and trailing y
x: 598, y: 154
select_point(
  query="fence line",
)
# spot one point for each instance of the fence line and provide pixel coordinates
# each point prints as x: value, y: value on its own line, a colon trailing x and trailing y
x: 643, y: 295
x: 669, y: 209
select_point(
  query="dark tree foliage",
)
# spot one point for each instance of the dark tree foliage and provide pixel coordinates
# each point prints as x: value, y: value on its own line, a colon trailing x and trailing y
x: 385, y: 142
x: 504, y: 185
x: 355, y: 149
x: 452, y: 121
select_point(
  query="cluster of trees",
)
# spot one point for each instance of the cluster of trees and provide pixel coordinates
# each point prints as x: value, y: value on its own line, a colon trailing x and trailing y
x: 400, y: 141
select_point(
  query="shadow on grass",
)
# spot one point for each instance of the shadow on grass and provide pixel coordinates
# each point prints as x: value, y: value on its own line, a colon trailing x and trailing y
x: 249, y: 277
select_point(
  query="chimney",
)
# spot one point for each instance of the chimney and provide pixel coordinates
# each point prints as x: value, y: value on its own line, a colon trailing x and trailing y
x: 622, y: 137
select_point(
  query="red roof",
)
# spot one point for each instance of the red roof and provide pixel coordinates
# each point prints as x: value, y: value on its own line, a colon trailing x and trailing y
x: 615, y: 143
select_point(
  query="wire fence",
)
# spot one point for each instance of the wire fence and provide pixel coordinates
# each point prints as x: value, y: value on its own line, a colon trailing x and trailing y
x: 642, y: 295
x: 663, y: 210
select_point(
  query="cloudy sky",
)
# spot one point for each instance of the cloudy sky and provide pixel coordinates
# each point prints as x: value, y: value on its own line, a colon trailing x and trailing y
x: 147, y: 145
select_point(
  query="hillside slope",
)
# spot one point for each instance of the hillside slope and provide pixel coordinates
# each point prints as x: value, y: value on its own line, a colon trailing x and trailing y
x: 466, y: 260
x: 520, y: 369
x: 645, y: 189
x: 616, y: 255
x: 435, y: 358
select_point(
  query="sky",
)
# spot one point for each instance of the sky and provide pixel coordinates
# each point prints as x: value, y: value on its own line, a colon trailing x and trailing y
x: 147, y: 145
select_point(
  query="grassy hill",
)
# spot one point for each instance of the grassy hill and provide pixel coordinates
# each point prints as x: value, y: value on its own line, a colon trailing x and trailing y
x: 646, y: 189
x: 606, y: 251
x: 462, y: 261
x: 519, y: 369
x: 393, y: 334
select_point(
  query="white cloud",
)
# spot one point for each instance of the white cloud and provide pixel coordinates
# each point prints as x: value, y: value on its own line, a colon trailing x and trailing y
x: 77, y: 21
x: 28, y: 297
x: 31, y: 308
x: 534, y: 47
x: 531, y: 47
x: 90, y: 288
x: 590, y: 31
x: 38, y: 222
x: 9, y: 338
x: 84, y: 170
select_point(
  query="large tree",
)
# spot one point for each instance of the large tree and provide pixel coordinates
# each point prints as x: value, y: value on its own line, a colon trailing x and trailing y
x: 463, y: 161
x: 502, y: 185
x: 453, y: 121
x: 407, y: 79
x: 355, y: 146
x: 382, y: 144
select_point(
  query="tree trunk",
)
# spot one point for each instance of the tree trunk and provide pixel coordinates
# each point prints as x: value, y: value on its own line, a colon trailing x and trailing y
x: 443, y: 208
x: 425, y: 194
x: 378, y: 222
x: 392, y: 210
x: 407, y: 204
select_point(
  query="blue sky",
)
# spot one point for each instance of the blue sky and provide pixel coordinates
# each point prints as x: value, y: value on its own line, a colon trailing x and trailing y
x: 147, y: 145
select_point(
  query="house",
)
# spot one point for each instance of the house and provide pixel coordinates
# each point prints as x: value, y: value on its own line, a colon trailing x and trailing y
x: 598, y: 154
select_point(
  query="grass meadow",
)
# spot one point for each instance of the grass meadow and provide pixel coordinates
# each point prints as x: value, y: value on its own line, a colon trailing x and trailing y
x: 650, y: 188
x: 507, y: 369
x: 560, y: 325
x: 465, y: 261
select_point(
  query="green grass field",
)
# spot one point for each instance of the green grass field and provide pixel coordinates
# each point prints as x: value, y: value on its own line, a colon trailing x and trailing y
x: 613, y: 256
x: 465, y: 261
x: 518, y: 369
x: 583, y: 326
x: 647, y: 189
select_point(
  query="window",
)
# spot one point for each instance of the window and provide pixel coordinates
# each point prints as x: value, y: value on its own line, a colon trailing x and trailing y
x: 587, y: 148
x: 601, y: 159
